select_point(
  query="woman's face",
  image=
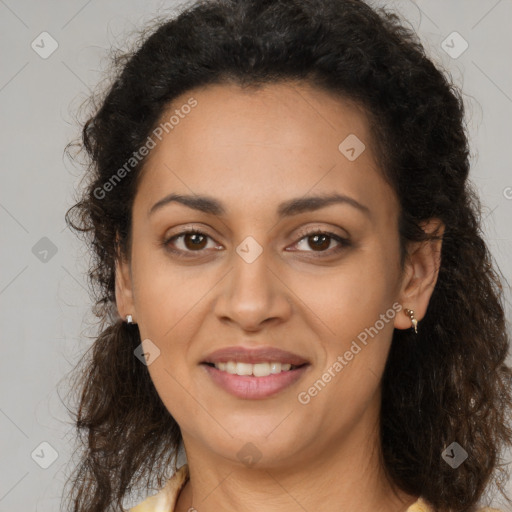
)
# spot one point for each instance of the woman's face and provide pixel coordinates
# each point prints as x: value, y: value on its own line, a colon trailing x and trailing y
x: 256, y: 276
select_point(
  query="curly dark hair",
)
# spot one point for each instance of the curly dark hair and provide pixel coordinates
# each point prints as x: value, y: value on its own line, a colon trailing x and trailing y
x: 450, y: 382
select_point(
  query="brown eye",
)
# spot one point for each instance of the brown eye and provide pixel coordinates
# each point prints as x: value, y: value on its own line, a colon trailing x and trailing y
x: 187, y: 242
x: 194, y: 241
x: 319, y: 242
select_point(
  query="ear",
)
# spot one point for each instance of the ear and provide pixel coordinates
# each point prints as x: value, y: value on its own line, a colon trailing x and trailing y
x: 124, y: 292
x: 420, y: 274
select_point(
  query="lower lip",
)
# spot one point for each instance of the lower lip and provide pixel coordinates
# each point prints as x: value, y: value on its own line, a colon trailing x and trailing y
x: 254, y: 388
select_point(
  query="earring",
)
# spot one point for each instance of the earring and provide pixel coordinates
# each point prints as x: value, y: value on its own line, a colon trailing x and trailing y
x: 410, y: 314
x: 129, y: 319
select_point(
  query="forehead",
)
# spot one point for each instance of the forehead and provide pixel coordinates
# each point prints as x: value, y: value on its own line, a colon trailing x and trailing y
x: 260, y: 146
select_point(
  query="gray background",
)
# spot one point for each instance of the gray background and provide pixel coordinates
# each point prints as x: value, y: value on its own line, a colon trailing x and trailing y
x: 46, y: 323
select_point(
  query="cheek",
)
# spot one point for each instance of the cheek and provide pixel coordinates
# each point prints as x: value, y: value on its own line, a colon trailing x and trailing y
x: 352, y: 309
x: 178, y: 395
x: 348, y: 299
x: 170, y: 306
x: 166, y: 295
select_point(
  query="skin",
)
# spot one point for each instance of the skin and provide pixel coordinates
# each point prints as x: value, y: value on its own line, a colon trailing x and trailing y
x: 252, y: 150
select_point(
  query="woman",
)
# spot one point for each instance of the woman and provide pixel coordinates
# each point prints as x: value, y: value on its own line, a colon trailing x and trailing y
x: 290, y: 272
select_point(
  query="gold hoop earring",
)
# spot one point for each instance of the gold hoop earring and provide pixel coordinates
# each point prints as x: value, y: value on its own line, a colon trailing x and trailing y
x: 410, y: 314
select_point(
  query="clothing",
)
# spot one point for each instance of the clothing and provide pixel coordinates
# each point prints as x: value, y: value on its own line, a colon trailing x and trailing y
x: 165, y: 499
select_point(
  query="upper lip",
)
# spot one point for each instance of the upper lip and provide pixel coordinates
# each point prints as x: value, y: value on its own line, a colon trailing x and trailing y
x: 254, y: 355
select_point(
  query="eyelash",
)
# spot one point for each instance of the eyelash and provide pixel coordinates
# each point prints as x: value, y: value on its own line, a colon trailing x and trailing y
x: 344, y: 242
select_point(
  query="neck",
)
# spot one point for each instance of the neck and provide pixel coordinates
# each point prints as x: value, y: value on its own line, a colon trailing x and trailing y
x: 344, y: 475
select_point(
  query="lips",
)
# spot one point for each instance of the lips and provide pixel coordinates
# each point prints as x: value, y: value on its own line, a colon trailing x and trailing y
x: 248, y: 387
x: 254, y: 355
x: 254, y: 373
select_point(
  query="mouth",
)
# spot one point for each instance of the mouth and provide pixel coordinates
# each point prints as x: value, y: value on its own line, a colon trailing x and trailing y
x: 256, y: 373
x: 256, y: 383
x: 262, y: 369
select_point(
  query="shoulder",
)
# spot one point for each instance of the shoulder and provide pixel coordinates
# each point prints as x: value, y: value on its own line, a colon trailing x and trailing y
x: 165, y: 499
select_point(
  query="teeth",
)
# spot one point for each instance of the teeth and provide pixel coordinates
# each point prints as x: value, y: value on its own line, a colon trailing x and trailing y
x: 257, y: 370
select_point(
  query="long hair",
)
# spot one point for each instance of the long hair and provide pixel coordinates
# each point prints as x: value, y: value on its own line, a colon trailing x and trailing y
x: 449, y: 383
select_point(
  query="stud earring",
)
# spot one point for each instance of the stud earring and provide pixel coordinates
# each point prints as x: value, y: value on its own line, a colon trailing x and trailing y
x: 129, y: 319
x: 410, y: 314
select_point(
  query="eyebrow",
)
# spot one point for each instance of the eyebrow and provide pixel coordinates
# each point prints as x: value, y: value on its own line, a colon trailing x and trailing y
x: 288, y: 208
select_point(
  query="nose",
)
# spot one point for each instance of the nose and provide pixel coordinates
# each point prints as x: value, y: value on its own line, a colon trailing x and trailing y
x: 253, y: 295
